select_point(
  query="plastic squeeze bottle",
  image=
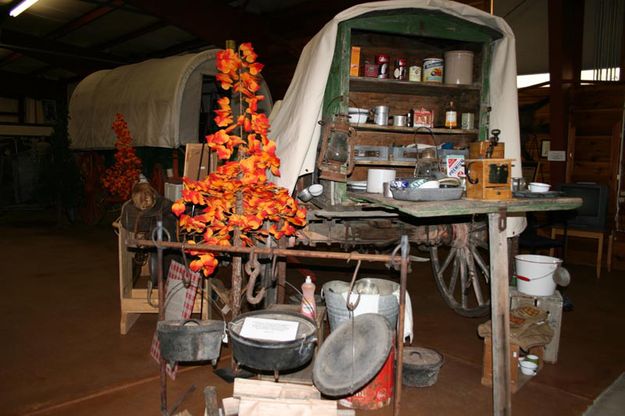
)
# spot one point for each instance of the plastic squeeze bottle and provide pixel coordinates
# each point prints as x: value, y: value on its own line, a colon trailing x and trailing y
x: 308, y: 307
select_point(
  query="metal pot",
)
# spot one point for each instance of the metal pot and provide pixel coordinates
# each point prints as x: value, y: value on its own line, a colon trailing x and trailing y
x: 268, y: 355
x: 399, y: 121
x: 421, y: 366
x: 190, y: 339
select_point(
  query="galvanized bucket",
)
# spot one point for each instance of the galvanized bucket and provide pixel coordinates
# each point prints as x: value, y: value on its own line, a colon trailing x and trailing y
x: 370, y: 289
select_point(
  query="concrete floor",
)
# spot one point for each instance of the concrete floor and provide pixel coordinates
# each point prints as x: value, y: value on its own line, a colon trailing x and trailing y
x: 63, y: 354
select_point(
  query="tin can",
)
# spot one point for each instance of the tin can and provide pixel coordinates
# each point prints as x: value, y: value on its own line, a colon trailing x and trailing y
x: 382, y: 62
x: 371, y: 69
x: 414, y: 73
x: 433, y: 70
x: 399, y: 72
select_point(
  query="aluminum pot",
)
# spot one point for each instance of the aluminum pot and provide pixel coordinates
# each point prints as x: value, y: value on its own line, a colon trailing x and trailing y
x: 266, y: 355
x: 190, y: 339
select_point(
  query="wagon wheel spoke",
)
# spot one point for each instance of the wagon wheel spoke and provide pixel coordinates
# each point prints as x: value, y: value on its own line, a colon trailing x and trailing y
x: 465, y: 282
x: 462, y: 274
x: 480, y: 243
x: 475, y: 282
x: 454, y: 277
x: 451, y: 256
x: 480, y: 261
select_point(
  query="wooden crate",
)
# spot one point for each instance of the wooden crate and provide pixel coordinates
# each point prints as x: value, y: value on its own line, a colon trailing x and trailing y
x: 517, y: 379
x: 481, y: 184
x: 133, y: 301
x: 553, y: 305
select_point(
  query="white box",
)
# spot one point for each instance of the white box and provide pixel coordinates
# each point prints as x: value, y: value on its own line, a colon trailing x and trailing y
x: 173, y: 191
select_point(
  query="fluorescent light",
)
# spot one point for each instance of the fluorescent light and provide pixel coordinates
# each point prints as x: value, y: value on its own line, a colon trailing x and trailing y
x: 21, y: 7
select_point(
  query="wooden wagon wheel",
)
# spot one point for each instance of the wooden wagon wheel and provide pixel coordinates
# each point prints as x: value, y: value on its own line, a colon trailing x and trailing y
x: 463, y: 277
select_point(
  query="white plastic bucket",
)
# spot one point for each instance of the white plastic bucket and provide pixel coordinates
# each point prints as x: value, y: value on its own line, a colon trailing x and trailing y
x: 534, y: 274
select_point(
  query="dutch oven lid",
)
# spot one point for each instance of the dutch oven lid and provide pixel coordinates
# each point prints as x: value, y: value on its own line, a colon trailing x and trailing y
x: 422, y: 358
x: 372, y: 337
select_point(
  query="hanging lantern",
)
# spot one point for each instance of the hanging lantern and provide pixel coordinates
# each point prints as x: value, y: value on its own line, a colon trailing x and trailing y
x: 336, y: 156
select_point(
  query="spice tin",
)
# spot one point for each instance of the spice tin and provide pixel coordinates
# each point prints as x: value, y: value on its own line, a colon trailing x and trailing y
x: 433, y: 70
x: 382, y: 61
x: 414, y: 73
x: 371, y: 70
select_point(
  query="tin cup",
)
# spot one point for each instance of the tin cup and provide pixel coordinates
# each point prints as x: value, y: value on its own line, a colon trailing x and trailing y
x: 518, y: 184
x: 380, y: 115
x: 532, y: 358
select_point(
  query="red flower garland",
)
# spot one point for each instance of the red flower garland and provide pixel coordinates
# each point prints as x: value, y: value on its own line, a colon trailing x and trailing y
x: 121, y: 177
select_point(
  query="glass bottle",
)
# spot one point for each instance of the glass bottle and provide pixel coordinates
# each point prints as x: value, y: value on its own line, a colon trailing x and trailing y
x: 451, y: 116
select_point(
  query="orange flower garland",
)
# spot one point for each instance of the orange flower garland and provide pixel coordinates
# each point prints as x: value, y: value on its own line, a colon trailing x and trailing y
x: 120, y: 178
x: 215, y: 197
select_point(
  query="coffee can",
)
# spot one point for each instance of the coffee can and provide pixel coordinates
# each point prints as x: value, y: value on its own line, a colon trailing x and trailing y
x: 399, y: 72
x: 382, y: 62
x: 433, y: 70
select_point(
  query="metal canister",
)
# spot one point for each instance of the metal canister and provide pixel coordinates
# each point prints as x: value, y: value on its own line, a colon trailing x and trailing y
x: 433, y: 70
x: 414, y: 73
x: 399, y: 72
x: 382, y: 62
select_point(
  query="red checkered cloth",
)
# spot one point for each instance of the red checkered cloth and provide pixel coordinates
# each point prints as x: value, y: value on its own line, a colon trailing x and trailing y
x: 175, y: 278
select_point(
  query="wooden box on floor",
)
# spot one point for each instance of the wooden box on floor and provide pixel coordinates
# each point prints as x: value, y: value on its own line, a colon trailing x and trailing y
x: 553, y: 305
x: 517, y: 379
x: 133, y: 301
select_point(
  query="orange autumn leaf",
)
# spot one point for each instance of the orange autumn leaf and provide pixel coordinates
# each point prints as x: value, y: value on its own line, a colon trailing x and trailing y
x: 248, y: 52
x: 178, y: 207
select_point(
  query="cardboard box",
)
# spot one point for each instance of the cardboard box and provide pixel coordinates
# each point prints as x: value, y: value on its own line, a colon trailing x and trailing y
x: 453, y: 165
x: 354, y: 66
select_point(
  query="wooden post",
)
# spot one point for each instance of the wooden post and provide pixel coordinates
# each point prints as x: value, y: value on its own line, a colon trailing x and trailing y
x: 210, y: 401
x: 566, y: 21
x: 500, y: 307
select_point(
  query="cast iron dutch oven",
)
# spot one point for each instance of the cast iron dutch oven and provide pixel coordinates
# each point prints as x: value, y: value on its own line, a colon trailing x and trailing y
x: 190, y: 339
x: 269, y: 355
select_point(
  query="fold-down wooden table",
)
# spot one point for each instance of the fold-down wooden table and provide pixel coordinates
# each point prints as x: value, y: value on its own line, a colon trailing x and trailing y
x: 497, y: 212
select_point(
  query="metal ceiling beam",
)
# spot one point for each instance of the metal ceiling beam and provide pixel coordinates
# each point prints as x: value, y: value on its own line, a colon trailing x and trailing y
x: 130, y: 35
x: 75, y: 24
x: 73, y: 58
x: 215, y: 22
x: 16, y: 85
x: 85, y: 19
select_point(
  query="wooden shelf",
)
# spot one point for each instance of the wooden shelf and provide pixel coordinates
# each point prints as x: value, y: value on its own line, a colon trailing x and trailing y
x: 393, y: 86
x: 386, y: 163
x: 412, y: 130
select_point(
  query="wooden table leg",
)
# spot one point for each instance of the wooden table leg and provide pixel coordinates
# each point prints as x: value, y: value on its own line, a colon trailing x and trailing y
x: 399, y: 358
x: 500, y: 308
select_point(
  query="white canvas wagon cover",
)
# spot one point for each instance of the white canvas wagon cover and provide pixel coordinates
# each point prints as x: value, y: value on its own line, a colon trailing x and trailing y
x: 159, y: 98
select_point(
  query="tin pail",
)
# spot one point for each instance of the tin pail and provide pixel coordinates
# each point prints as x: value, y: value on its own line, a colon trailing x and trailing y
x: 534, y: 274
x: 379, y: 392
x: 459, y: 67
x: 375, y: 294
